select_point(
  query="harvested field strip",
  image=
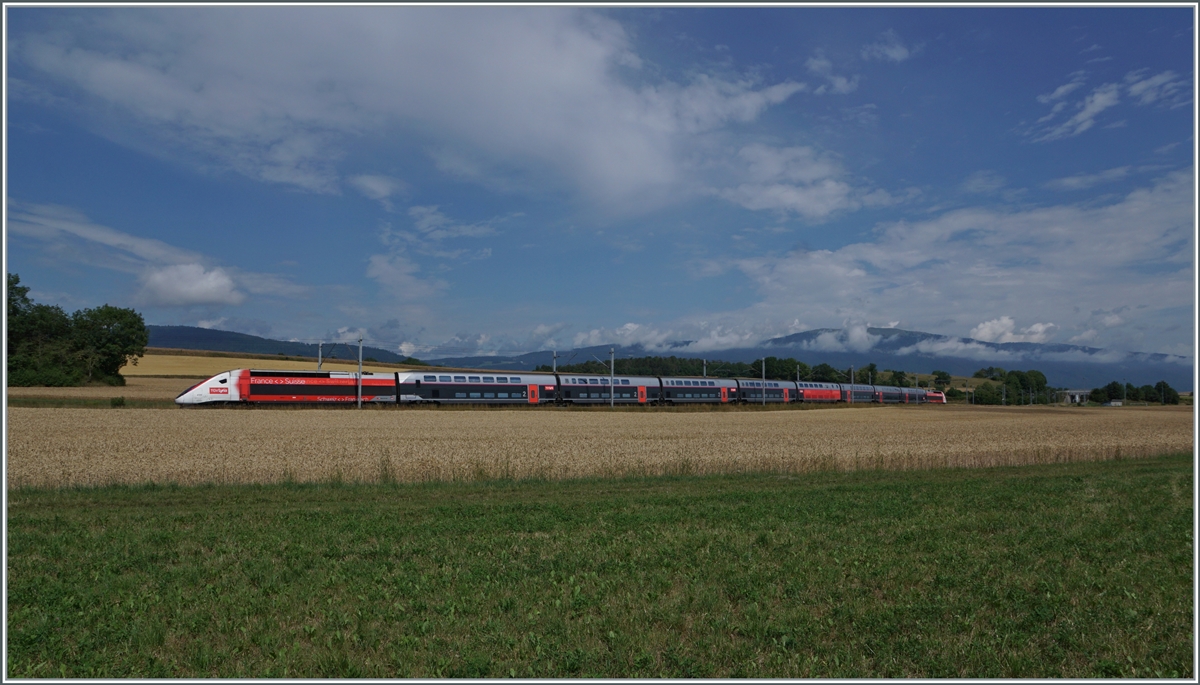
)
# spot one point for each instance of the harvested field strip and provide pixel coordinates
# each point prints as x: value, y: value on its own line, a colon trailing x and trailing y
x: 204, y: 367
x: 82, y: 447
x: 135, y: 387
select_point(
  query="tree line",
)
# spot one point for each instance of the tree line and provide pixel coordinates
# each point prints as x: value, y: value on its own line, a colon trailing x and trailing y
x: 1011, y: 387
x: 46, y: 346
x: 1161, y: 393
x: 779, y: 369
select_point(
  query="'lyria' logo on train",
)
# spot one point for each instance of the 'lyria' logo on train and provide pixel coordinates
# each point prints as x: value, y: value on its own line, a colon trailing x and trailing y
x: 218, y: 391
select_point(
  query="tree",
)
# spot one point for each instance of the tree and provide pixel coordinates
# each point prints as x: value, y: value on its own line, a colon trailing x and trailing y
x: 47, y: 347
x: 1147, y: 393
x: 1165, y: 393
x: 39, y: 350
x: 897, y: 378
x: 987, y: 393
x: 941, y: 378
x: 824, y: 373
x: 107, y: 338
x: 1099, y: 395
x: 867, y: 375
x: 994, y: 373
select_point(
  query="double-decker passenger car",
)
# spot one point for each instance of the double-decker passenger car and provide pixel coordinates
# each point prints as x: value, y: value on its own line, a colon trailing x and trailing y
x: 580, y: 388
x: 469, y: 388
x: 691, y: 390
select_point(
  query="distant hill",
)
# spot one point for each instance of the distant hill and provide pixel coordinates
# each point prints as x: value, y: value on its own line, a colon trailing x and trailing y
x: 1071, y: 366
x: 194, y: 338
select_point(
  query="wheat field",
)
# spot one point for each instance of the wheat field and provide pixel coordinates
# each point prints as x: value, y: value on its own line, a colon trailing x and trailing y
x: 86, y: 447
x: 205, y: 367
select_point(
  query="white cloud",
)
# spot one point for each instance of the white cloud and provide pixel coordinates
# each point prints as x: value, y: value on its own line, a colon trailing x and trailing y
x: 1063, y: 90
x: 397, y: 275
x: 188, y: 285
x: 277, y: 94
x: 1085, y: 337
x: 983, y: 182
x: 1082, y: 181
x: 792, y: 179
x: 1037, y: 265
x: 378, y: 188
x: 1165, y: 87
x: 1003, y: 330
x: 822, y: 67
x: 434, y: 225
x: 1100, y: 99
x: 169, y: 276
x: 851, y: 338
x: 56, y: 223
x: 888, y: 48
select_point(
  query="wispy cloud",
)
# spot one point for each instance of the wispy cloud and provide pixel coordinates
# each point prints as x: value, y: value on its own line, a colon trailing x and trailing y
x: 280, y: 96
x: 1082, y: 181
x: 801, y: 181
x: 983, y: 182
x: 1166, y: 88
x: 169, y: 276
x: 822, y: 67
x: 378, y: 188
x: 1100, y: 99
x: 982, y: 265
x: 889, y: 48
x: 1003, y: 330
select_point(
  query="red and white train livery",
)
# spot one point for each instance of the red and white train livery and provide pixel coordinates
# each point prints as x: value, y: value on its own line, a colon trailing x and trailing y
x: 477, y: 387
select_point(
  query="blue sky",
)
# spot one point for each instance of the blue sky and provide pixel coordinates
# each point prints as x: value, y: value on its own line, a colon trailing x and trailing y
x: 455, y: 180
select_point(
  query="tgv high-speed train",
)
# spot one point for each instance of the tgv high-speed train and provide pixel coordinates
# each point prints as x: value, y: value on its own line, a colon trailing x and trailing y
x: 331, y: 387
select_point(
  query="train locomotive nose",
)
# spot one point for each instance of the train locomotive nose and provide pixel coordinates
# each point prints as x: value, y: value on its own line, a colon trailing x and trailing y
x: 219, y: 388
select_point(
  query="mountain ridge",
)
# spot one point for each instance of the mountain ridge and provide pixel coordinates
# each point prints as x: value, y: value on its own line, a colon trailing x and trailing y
x: 1065, y: 365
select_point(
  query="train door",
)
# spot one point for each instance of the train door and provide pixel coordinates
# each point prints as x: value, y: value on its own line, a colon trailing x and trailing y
x: 642, y: 394
x: 724, y: 394
x: 533, y: 394
x: 785, y: 396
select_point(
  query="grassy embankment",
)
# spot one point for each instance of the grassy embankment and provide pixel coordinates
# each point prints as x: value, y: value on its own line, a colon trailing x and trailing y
x: 1061, y: 570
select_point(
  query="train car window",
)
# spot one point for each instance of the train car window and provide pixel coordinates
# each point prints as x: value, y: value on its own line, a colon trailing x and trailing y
x: 603, y: 381
x: 489, y: 395
x: 473, y: 379
x: 489, y: 379
x: 430, y: 378
x: 460, y: 394
x: 624, y: 381
x: 475, y: 395
x: 502, y: 395
x: 514, y: 379
x: 594, y: 381
x: 460, y: 379
x: 501, y: 379
x: 443, y: 379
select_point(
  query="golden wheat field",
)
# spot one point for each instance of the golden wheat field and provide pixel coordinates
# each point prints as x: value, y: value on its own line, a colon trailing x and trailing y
x: 204, y: 367
x: 69, y: 447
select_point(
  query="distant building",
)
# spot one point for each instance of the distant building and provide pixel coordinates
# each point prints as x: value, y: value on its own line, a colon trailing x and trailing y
x: 1112, y: 403
x: 1074, y: 396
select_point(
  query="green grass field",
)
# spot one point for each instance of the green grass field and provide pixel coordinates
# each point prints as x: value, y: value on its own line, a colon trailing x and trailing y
x: 1072, y: 570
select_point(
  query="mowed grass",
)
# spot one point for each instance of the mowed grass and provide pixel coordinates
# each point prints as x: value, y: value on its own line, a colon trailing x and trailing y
x: 1062, y: 570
